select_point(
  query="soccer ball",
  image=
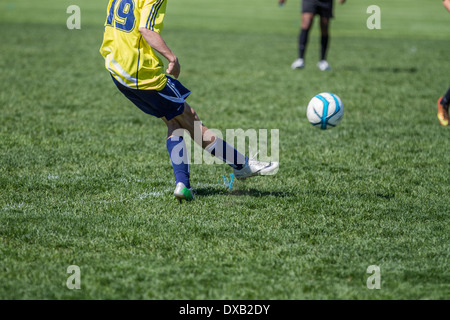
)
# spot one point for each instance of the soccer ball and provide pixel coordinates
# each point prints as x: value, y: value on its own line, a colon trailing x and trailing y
x: 325, y: 110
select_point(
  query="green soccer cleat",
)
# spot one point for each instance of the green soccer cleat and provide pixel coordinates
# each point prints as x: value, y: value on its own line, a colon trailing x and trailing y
x: 183, y: 193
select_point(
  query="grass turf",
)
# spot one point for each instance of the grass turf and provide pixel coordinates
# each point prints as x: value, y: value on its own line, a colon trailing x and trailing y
x: 85, y: 178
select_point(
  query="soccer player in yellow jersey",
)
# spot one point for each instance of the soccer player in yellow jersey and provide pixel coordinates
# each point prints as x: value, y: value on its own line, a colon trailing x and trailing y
x: 132, y: 35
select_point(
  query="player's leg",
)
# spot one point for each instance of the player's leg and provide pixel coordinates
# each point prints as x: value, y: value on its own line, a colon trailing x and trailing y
x: 187, y: 121
x: 190, y: 121
x: 324, y: 40
x: 242, y: 165
x: 443, y: 104
x: 179, y: 158
x: 167, y: 104
x: 307, y: 20
x: 306, y: 23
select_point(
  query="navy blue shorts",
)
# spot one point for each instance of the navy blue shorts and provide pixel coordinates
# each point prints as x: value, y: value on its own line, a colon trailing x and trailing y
x: 323, y: 8
x: 168, y: 103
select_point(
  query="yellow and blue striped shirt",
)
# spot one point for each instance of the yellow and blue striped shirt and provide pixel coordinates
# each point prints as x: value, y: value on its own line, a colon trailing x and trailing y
x: 128, y: 57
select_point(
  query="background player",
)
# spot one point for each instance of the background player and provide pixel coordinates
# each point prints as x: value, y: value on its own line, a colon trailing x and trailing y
x: 132, y: 33
x: 323, y: 8
x: 443, y: 104
x: 444, y: 101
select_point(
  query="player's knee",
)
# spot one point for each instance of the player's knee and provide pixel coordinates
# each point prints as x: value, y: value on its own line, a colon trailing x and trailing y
x: 189, y: 116
x: 208, y: 137
x: 190, y: 112
x: 307, y: 19
x: 306, y: 25
x: 172, y: 126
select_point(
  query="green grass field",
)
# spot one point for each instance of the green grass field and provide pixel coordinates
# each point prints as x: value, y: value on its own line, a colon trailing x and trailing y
x: 85, y: 178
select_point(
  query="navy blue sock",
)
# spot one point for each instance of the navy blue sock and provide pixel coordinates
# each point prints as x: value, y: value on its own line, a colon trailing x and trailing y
x: 179, y: 158
x: 225, y: 152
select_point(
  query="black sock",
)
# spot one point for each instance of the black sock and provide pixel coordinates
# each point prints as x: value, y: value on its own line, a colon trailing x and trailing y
x: 446, y: 99
x: 324, y: 43
x: 302, y: 41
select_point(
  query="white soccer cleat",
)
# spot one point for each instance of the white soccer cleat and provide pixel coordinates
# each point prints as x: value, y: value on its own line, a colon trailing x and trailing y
x: 183, y: 193
x: 254, y: 168
x: 323, y: 65
x: 298, y: 64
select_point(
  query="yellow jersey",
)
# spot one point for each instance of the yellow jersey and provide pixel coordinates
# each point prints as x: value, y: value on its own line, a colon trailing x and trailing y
x: 128, y: 57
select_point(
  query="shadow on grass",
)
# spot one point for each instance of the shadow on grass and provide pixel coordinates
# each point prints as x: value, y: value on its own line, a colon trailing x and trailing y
x: 247, y: 192
x: 283, y: 194
x: 361, y: 195
x: 381, y: 69
x: 313, y: 193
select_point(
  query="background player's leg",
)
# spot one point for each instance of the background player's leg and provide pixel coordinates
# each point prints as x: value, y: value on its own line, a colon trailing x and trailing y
x: 307, y: 20
x: 324, y: 27
x: 446, y: 99
x: 443, y: 104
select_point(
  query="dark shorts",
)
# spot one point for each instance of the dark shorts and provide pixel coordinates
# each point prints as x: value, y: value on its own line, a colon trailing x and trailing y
x: 323, y: 8
x: 168, y: 103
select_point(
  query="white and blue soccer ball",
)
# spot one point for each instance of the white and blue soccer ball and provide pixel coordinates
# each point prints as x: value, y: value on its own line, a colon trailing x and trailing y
x: 325, y: 110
